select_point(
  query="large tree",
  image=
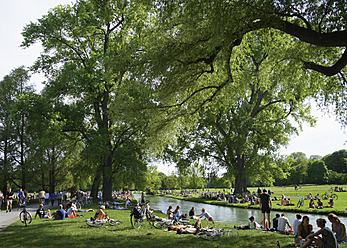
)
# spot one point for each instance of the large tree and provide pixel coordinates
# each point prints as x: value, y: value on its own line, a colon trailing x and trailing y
x: 15, y: 138
x: 206, y: 29
x: 89, y: 49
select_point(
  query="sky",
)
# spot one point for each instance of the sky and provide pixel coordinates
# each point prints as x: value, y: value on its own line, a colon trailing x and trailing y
x: 323, y: 139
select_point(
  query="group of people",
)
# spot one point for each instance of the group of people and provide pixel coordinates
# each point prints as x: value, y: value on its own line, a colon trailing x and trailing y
x: 68, y: 211
x: 191, y: 215
x: 325, y: 237
x: 10, y: 196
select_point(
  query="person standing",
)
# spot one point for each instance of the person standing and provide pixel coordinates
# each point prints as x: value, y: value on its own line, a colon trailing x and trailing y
x: 46, y: 198
x: 100, y: 197
x: 42, y: 194
x: 59, y: 197
x: 52, y: 198
x: 1, y: 198
x: 9, y: 199
x: 265, y: 206
x: 143, y: 198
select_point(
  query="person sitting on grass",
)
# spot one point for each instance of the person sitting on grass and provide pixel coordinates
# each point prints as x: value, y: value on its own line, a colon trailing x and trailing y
x: 169, y: 212
x: 127, y: 203
x: 275, y: 221
x: 178, y: 214
x: 327, y: 239
x: 253, y: 224
x: 206, y: 215
x: 311, y: 204
x: 338, y: 227
x: 304, y: 229
x: 192, y: 213
x: 41, y: 213
x: 100, y: 214
x: 283, y: 222
x: 331, y: 203
x: 59, y: 214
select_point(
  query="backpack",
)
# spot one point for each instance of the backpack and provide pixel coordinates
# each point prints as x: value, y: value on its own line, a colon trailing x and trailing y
x: 137, y: 212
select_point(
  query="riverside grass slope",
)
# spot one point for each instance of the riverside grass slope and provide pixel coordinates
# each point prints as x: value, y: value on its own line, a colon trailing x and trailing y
x: 75, y: 233
x: 289, y: 192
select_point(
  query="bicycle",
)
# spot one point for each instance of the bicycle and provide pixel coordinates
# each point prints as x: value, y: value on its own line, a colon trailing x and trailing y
x: 300, y: 202
x: 329, y: 194
x: 140, y: 214
x: 215, y: 234
x: 24, y: 216
x: 92, y: 222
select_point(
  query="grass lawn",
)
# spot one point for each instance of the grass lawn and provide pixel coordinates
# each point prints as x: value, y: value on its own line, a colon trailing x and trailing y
x: 75, y: 233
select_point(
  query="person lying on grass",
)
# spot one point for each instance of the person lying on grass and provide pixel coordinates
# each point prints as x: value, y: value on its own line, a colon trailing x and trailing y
x: 188, y: 229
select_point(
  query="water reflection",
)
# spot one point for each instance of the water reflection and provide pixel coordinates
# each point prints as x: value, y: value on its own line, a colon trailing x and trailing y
x: 228, y: 215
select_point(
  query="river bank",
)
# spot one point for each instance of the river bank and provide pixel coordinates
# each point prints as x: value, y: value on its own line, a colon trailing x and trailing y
x: 291, y: 209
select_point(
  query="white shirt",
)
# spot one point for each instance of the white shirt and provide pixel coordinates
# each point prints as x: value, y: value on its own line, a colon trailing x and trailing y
x: 296, y: 223
x: 282, y: 223
x: 205, y: 214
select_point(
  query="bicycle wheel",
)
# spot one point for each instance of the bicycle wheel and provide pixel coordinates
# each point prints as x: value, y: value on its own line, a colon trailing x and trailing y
x: 115, y: 222
x: 325, y: 197
x: 29, y: 217
x: 150, y: 218
x: 136, y: 223
x: 334, y: 196
x: 211, y: 236
x: 228, y: 231
x: 93, y: 223
x: 78, y: 205
x: 161, y: 225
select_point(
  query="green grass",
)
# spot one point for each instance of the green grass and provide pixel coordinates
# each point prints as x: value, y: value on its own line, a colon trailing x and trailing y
x: 75, y: 233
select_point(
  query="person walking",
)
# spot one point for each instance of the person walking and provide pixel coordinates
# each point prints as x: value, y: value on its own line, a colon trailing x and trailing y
x: 1, y: 199
x: 9, y: 198
x: 265, y: 206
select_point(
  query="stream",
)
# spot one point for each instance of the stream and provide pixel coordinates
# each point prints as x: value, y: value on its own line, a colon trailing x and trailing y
x: 229, y: 215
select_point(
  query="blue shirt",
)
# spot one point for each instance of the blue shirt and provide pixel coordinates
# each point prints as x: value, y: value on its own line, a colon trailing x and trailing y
x: 61, y: 213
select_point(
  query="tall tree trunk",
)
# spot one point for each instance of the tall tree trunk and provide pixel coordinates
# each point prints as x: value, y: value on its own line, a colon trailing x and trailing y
x: 6, y: 167
x: 96, y: 182
x: 107, y: 179
x: 240, y: 177
x: 22, y: 162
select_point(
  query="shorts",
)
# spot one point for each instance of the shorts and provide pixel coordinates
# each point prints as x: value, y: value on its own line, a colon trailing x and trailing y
x: 265, y: 210
x: 9, y: 202
x: 211, y: 219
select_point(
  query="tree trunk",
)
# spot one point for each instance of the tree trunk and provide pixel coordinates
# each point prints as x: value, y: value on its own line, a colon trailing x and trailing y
x: 22, y: 162
x: 96, y: 183
x: 107, y: 179
x: 240, y: 177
